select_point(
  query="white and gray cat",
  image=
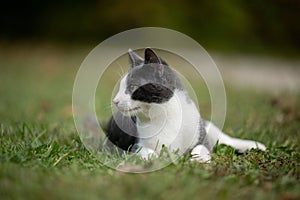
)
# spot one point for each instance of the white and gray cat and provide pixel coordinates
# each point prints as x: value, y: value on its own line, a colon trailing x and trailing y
x: 155, y: 110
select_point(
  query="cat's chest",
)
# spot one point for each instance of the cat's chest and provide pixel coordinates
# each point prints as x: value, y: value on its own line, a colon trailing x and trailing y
x: 175, y: 124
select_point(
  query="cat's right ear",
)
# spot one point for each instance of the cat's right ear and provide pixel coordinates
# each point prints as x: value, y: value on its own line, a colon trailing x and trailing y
x: 151, y: 57
x: 135, y: 60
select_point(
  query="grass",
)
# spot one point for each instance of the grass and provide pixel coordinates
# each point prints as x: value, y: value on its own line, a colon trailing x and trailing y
x: 42, y: 157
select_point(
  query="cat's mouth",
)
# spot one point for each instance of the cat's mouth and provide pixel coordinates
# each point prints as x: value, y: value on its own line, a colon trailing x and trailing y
x: 130, y: 109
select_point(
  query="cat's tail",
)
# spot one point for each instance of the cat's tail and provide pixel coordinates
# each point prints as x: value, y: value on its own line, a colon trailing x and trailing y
x: 215, y: 135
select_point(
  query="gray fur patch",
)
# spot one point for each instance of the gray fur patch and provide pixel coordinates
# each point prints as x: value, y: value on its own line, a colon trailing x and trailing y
x: 152, y: 72
x: 202, y: 133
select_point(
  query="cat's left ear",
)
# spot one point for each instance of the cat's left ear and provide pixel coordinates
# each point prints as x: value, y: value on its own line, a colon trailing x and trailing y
x: 151, y: 57
x: 135, y: 60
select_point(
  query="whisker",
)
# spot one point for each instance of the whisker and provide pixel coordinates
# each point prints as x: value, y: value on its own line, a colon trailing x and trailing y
x: 121, y: 67
x: 108, y: 107
x: 120, y: 74
x: 122, y: 70
x: 122, y: 124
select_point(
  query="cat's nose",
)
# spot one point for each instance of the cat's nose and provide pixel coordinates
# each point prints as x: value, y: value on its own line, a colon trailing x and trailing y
x: 116, y: 101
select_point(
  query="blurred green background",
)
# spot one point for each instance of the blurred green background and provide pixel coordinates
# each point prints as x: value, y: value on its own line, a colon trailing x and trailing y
x: 269, y: 26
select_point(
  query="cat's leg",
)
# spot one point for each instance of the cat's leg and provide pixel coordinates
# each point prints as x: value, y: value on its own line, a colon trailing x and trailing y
x: 147, y: 153
x: 214, y: 135
x: 201, y: 154
x: 144, y: 152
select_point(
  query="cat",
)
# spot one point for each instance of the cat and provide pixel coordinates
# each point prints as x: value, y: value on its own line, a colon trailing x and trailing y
x: 155, y: 110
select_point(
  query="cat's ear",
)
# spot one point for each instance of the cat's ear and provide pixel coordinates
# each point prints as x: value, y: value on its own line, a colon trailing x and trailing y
x: 151, y: 57
x: 135, y: 60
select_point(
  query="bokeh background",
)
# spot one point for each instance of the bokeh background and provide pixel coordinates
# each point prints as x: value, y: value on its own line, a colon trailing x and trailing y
x: 42, y: 44
x: 270, y: 26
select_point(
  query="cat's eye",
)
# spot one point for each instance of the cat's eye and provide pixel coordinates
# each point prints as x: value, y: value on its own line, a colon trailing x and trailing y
x: 132, y: 88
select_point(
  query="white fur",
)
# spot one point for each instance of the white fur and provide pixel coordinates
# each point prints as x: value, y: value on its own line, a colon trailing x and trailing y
x: 200, y: 153
x: 167, y: 125
x: 174, y: 124
x: 147, y: 153
x: 214, y: 135
x: 122, y: 97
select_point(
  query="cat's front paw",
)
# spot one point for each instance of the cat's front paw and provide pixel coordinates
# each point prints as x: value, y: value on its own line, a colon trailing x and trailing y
x: 201, y: 158
x: 146, y: 153
x: 200, y: 154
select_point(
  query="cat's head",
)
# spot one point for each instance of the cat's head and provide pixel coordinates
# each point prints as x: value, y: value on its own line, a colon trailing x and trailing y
x: 150, y: 81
